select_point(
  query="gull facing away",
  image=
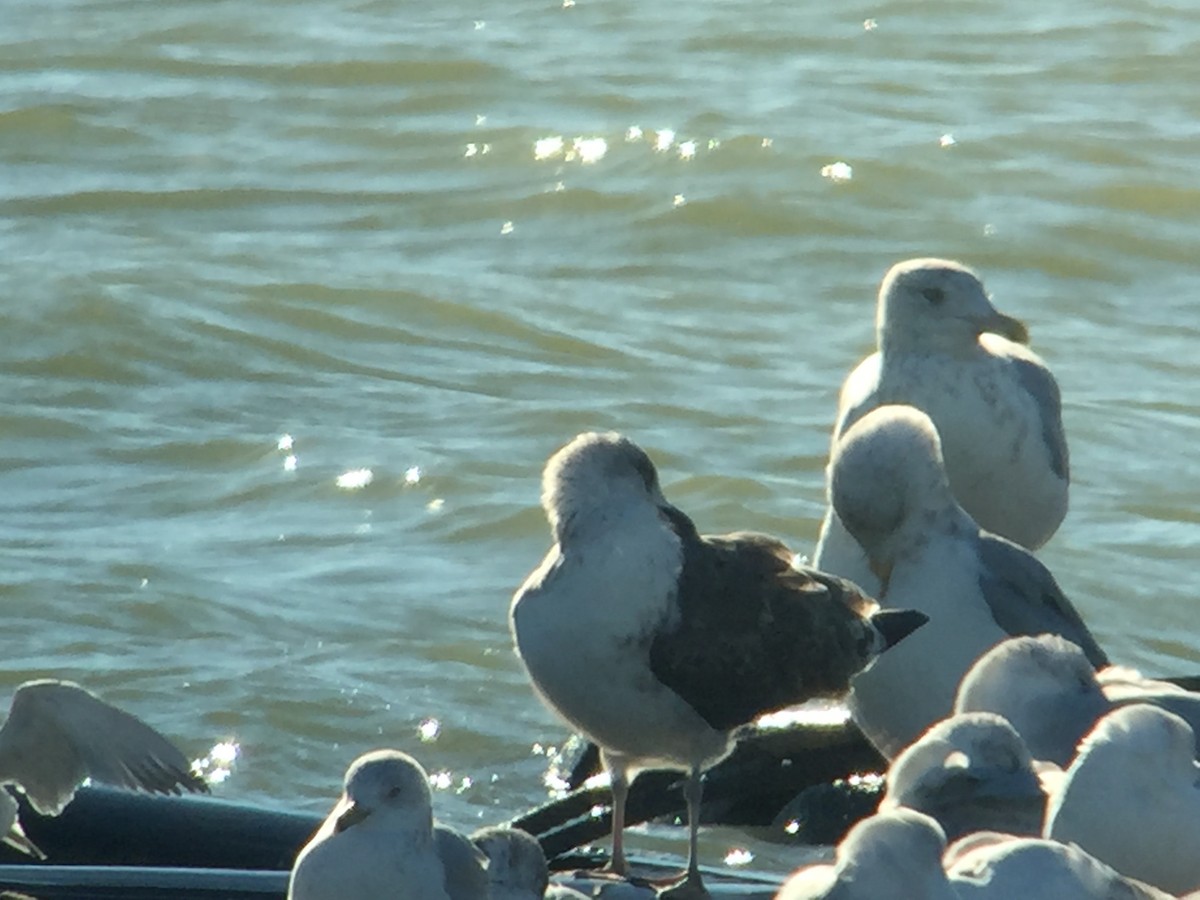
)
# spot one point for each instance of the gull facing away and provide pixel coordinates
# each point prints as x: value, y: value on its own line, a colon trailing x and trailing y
x: 945, y: 349
x: 991, y: 866
x: 1046, y: 687
x: 516, y: 867
x: 1132, y: 798
x: 971, y: 772
x: 58, y: 734
x: 379, y: 840
x: 893, y: 855
x: 658, y: 643
x: 889, y: 487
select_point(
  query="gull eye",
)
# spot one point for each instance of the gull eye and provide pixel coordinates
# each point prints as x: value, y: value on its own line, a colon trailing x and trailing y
x: 394, y: 793
x: 934, y: 295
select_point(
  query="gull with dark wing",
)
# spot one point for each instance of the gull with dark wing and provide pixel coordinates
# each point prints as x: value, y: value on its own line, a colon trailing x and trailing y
x: 945, y: 349
x: 659, y: 643
x: 58, y: 734
x: 888, y: 484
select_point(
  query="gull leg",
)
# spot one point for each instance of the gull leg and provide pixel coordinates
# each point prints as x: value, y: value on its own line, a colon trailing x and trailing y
x: 619, y: 780
x: 691, y: 887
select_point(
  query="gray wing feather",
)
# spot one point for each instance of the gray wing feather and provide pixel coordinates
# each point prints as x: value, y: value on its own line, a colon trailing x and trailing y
x: 1041, y: 386
x: 57, y: 734
x: 463, y: 863
x: 1025, y: 599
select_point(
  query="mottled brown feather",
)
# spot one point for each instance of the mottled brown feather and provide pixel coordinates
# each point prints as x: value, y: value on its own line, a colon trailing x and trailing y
x: 755, y: 634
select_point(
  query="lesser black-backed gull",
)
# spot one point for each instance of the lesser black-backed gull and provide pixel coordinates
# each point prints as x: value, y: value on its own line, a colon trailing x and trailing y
x: 658, y: 643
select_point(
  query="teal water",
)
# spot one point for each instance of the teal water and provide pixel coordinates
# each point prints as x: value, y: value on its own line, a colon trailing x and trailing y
x: 436, y: 241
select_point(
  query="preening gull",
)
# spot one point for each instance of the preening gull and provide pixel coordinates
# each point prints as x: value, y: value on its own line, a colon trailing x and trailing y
x: 516, y: 868
x: 945, y: 349
x: 380, y: 841
x: 991, y: 866
x: 658, y: 643
x: 889, y: 487
x: 1132, y: 798
x: 971, y: 772
x: 58, y: 734
x: 895, y: 854
x: 1046, y: 687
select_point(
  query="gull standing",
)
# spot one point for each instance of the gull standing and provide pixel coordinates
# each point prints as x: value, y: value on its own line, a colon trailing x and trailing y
x: 888, y: 485
x: 945, y: 349
x: 380, y: 841
x: 1132, y: 798
x: 658, y: 643
x: 58, y: 734
x: 971, y: 772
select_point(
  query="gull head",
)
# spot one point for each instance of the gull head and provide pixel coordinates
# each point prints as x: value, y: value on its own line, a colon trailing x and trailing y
x: 1144, y: 738
x: 515, y: 860
x: 938, y: 305
x: 597, y: 478
x: 898, y: 848
x: 973, y: 761
x: 1044, y: 685
x: 385, y: 789
x: 887, y: 482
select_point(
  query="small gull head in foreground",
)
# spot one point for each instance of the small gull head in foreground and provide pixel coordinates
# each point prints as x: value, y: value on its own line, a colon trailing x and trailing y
x: 379, y: 841
x: 971, y: 772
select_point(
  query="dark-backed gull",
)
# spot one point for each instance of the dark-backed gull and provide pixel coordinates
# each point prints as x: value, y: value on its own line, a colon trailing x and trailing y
x: 658, y: 643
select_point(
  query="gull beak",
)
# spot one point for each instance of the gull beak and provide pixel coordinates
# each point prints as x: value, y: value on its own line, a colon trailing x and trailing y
x: 348, y: 813
x: 1006, y: 326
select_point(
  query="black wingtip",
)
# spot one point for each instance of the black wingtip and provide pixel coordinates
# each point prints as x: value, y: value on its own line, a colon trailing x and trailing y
x: 897, y: 624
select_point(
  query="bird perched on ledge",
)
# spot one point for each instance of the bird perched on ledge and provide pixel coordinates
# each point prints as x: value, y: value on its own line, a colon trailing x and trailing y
x: 659, y: 643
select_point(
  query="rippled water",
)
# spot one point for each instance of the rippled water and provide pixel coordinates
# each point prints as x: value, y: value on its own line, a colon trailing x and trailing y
x: 251, y: 247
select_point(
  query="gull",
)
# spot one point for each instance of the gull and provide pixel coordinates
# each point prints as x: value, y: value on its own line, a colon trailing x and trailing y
x: 1048, y: 689
x: 888, y: 484
x: 380, y: 841
x: 894, y: 854
x: 991, y: 866
x: 659, y: 644
x: 1132, y: 798
x: 59, y: 734
x: 971, y: 772
x: 517, y: 868
x: 945, y: 349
